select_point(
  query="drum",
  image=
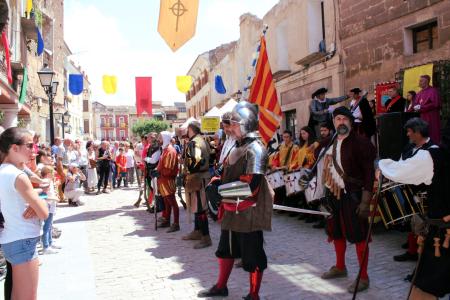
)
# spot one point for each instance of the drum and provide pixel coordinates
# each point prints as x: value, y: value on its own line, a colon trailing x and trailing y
x: 291, y: 181
x: 397, y: 204
x: 275, y: 179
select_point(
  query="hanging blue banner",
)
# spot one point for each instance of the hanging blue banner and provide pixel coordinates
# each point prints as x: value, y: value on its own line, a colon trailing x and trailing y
x: 75, y: 84
x: 220, y: 88
x: 40, y: 42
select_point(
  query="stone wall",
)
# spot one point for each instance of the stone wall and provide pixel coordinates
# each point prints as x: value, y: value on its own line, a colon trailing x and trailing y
x: 374, y: 36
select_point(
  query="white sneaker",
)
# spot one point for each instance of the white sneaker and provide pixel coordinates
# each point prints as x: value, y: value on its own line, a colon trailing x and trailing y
x: 53, y: 246
x: 48, y: 251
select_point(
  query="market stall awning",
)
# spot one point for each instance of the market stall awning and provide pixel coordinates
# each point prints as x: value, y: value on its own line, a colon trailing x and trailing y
x: 214, y: 112
x: 228, y: 107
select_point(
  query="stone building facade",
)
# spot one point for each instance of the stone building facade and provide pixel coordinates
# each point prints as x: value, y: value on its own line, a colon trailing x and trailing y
x: 381, y: 38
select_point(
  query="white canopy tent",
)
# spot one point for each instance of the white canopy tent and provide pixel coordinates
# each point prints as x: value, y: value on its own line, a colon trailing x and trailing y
x: 214, y: 112
x: 228, y: 107
x: 186, y: 124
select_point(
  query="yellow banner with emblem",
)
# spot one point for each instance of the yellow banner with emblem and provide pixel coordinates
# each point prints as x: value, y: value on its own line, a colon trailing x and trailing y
x: 210, y: 124
x: 177, y: 21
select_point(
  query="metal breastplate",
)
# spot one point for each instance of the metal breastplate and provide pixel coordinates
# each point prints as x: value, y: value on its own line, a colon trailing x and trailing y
x: 255, y: 157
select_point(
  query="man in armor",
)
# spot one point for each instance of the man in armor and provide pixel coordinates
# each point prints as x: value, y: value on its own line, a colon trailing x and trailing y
x: 349, y: 175
x: 243, y: 222
x: 197, y: 176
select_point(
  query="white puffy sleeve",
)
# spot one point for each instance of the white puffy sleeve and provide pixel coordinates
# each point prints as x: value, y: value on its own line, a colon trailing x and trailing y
x: 415, y: 170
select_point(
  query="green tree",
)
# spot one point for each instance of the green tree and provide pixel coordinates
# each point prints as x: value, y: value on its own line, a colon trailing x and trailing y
x: 149, y: 125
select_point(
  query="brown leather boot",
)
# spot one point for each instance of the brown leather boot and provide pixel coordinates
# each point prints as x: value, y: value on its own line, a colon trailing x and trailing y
x: 193, y: 236
x: 204, y: 242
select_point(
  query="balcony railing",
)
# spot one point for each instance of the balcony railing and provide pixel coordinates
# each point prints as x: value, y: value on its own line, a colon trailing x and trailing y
x: 106, y: 125
x: 123, y: 125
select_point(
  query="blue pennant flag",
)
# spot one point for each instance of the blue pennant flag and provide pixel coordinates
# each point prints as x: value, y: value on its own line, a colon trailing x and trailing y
x: 220, y: 88
x: 40, y: 42
x: 75, y: 84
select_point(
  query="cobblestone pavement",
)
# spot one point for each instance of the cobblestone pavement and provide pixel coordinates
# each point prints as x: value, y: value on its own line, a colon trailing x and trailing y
x: 111, y: 251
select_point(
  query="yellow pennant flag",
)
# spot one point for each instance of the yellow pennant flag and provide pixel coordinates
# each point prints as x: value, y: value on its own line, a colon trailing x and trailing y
x: 184, y: 83
x: 177, y: 21
x: 29, y: 7
x: 110, y: 84
x: 412, y: 76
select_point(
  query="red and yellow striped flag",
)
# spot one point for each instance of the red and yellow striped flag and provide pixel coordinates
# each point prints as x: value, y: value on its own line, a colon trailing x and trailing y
x: 263, y: 93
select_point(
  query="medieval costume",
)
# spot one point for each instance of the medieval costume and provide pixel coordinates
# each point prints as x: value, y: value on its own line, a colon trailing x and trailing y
x: 319, y: 109
x: 283, y: 158
x: 243, y: 222
x: 396, y: 104
x: 167, y: 172
x: 151, y: 161
x: 349, y: 176
x: 364, y: 123
x: 428, y: 103
x: 197, y: 176
x: 433, y: 272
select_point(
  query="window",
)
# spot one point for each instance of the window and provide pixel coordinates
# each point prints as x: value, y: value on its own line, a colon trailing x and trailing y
x: 85, y: 105
x: 122, y: 134
x: 86, y: 126
x: 425, y: 37
x: 291, y: 122
x: 102, y: 122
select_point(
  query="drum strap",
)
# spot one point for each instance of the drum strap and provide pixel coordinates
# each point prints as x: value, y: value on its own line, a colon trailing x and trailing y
x: 341, y: 172
x: 287, y: 155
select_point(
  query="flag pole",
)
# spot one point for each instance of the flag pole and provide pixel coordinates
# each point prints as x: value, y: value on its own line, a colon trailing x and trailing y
x: 247, y: 87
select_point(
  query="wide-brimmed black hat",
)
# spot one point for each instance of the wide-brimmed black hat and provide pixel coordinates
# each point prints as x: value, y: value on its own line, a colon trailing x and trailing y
x: 322, y: 90
x: 356, y: 90
x: 344, y: 111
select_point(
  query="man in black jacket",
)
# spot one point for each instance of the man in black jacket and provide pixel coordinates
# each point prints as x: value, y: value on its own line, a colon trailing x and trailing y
x: 364, y: 123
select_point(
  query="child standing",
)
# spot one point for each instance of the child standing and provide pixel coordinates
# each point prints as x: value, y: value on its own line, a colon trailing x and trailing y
x: 121, y: 162
x: 47, y: 173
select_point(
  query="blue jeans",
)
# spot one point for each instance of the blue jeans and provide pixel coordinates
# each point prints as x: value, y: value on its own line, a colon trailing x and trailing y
x: 47, y: 231
x: 20, y: 251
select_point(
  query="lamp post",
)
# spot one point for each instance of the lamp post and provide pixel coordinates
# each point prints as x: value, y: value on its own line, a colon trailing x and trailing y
x: 50, y: 88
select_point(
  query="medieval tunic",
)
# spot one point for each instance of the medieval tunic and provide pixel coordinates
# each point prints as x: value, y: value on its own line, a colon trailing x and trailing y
x: 168, y: 170
x: 430, y: 105
x: 396, y: 104
x: 364, y: 121
x: 196, y: 164
x: 355, y: 156
x: 242, y: 232
x: 284, y: 157
x: 433, y: 273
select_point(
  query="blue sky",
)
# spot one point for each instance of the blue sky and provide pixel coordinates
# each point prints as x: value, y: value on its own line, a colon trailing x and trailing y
x: 120, y: 38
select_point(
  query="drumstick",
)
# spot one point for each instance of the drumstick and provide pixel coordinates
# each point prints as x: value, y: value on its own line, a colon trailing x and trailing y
x: 437, y: 251
x: 446, y: 243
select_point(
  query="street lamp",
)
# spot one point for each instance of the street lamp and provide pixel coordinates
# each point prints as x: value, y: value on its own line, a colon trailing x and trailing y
x: 50, y: 87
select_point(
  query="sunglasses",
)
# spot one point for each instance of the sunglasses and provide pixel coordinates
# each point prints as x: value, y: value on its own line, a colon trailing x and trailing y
x: 28, y: 145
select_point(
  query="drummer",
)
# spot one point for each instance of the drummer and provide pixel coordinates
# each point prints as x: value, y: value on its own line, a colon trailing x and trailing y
x: 282, y: 160
x: 433, y: 271
x: 304, y: 158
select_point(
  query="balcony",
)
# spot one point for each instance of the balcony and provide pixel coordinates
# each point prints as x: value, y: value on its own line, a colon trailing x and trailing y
x: 29, y: 28
x: 107, y: 125
x: 123, y: 125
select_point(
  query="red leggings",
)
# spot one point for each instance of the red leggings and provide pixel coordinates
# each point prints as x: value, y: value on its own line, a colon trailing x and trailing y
x: 171, y: 203
x: 341, y: 245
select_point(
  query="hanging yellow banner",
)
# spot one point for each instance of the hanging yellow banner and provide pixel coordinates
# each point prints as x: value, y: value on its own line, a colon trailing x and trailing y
x: 177, y: 21
x: 29, y: 7
x: 412, y: 76
x: 110, y: 84
x: 210, y: 124
x: 184, y: 83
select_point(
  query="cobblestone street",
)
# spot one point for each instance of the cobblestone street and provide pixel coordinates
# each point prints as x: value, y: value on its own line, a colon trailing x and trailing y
x: 111, y: 251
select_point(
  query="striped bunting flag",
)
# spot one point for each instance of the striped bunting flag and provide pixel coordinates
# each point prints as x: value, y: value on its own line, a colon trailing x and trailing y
x: 263, y: 93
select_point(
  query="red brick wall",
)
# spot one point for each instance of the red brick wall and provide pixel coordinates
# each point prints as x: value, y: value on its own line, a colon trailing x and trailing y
x: 372, y: 37
x: 118, y: 124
